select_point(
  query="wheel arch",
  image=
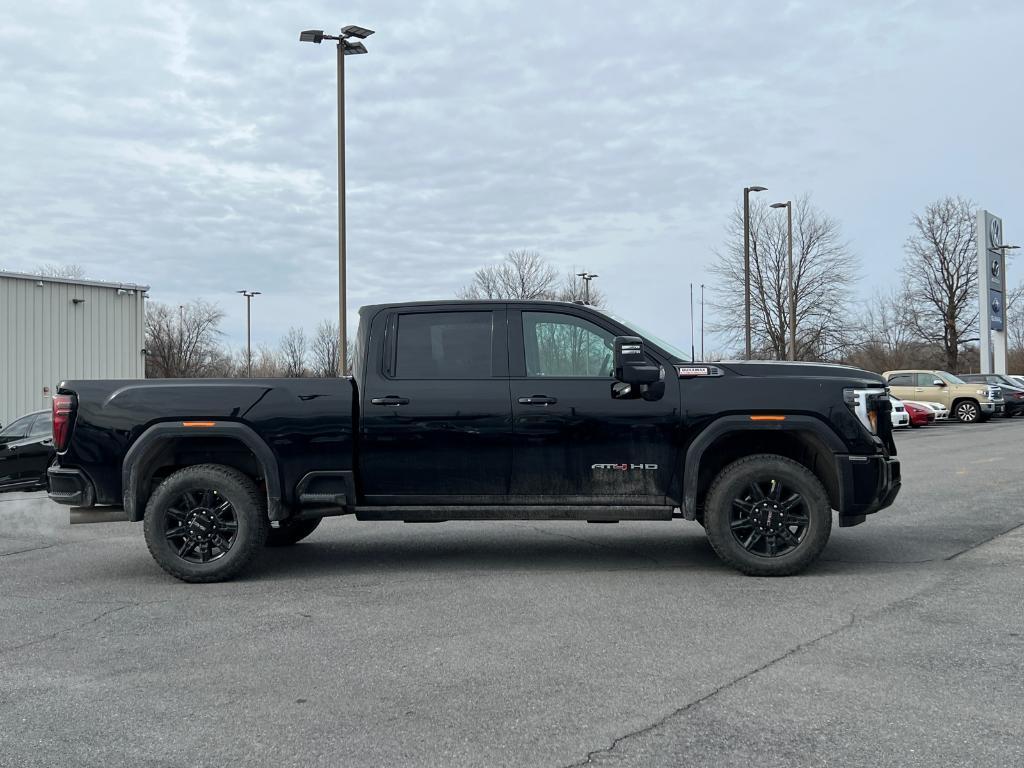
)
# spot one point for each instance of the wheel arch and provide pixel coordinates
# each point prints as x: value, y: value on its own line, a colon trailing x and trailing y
x: 161, y: 449
x: 804, y: 439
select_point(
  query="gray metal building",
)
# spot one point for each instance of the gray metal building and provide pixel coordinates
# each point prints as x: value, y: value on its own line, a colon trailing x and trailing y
x: 53, y: 328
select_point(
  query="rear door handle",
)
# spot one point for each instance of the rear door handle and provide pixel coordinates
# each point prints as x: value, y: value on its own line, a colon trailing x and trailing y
x: 390, y: 400
x: 538, y: 400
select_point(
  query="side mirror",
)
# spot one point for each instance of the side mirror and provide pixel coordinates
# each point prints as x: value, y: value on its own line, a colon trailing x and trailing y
x: 938, y: 383
x: 631, y: 364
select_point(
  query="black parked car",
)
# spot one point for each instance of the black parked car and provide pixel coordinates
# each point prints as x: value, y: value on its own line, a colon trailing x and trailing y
x: 1013, y: 391
x: 26, y: 451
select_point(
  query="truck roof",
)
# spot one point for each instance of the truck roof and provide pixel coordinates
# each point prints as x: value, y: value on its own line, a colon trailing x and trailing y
x: 471, y: 302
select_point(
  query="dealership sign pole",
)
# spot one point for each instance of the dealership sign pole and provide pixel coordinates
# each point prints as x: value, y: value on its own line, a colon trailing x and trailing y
x: 991, y: 293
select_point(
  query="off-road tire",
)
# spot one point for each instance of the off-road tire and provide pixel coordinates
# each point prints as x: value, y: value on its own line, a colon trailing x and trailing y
x: 967, y: 411
x: 248, y: 507
x: 291, y: 531
x: 732, y: 481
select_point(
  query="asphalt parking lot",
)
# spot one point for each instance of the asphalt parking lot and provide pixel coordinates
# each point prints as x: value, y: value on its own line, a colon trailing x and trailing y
x: 534, y: 644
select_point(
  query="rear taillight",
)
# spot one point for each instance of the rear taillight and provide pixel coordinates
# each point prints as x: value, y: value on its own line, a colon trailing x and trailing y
x: 63, y: 415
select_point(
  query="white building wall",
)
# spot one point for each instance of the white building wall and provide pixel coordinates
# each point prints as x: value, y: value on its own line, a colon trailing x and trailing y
x: 46, y: 337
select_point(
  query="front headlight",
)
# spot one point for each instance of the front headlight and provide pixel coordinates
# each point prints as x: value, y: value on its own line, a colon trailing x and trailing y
x: 981, y: 392
x: 864, y: 403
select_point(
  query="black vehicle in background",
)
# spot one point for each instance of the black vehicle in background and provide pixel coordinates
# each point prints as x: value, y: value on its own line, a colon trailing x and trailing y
x: 26, y: 452
x: 483, y: 410
x: 1013, y: 390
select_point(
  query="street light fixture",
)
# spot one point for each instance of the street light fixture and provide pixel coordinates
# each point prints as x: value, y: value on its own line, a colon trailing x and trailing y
x: 788, y: 205
x: 587, y: 277
x: 746, y: 262
x: 248, y: 329
x: 346, y: 47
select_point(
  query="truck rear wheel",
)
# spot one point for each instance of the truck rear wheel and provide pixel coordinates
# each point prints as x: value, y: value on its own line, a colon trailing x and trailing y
x: 205, y: 523
x: 767, y: 515
x: 291, y: 532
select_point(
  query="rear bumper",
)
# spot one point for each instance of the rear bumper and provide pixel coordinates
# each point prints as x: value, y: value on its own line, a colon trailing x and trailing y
x: 866, y: 485
x: 71, y: 487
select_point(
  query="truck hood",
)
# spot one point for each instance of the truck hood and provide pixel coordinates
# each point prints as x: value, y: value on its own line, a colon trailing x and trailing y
x: 782, y: 369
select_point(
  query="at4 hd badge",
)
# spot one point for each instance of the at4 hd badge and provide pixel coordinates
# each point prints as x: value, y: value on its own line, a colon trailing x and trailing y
x: 625, y: 467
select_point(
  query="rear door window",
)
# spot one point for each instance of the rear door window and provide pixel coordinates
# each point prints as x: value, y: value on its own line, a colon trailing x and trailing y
x: 444, y: 345
x: 901, y: 380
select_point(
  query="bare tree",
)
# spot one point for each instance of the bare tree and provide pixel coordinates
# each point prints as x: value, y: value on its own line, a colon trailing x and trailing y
x: 1015, y: 329
x: 293, y: 351
x: 324, y: 350
x: 940, y: 271
x: 824, y: 271
x: 527, y: 275
x: 266, y: 363
x: 887, y: 339
x: 70, y: 271
x: 520, y: 275
x: 183, y: 341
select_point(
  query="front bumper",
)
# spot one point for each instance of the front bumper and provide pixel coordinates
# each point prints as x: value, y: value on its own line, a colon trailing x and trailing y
x: 866, y: 485
x: 992, y: 408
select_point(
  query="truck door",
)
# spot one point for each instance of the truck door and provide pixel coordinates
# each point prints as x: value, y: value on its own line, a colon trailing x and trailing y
x: 928, y: 389
x: 574, y: 443
x: 436, y: 415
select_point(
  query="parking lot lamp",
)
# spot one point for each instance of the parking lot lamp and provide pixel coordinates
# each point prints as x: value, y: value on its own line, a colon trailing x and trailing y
x: 248, y: 329
x: 587, y: 277
x: 346, y: 47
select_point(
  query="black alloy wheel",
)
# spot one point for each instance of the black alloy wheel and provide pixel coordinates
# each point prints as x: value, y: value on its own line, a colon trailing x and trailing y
x: 769, y: 518
x: 767, y: 515
x: 201, y: 525
x: 206, y: 522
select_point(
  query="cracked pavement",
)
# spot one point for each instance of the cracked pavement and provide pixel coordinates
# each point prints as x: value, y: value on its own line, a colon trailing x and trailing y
x: 533, y: 644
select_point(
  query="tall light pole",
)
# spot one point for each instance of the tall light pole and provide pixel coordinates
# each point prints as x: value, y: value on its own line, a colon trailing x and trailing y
x: 587, y: 277
x: 693, y: 352
x: 248, y: 329
x: 788, y: 205
x: 702, y: 322
x: 346, y: 47
x: 746, y: 262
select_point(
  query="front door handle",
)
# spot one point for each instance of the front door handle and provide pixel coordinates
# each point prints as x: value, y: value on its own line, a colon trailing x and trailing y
x: 390, y: 400
x: 538, y: 400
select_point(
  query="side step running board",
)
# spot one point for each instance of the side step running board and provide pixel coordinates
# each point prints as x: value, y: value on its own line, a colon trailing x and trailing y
x: 421, y: 514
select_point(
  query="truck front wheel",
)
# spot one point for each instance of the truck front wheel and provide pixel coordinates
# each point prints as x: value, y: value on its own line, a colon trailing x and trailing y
x: 767, y: 515
x: 967, y: 411
x: 205, y: 523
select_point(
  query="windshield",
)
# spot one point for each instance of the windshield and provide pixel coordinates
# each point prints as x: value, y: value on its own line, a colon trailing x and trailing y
x: 950, y: 378
x: 670, y: 348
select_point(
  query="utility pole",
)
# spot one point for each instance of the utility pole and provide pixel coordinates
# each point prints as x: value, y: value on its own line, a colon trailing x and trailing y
x: 788, y: 205
x: 746, y: 264
x: 248, y: 329
x: 587, y: 277
x: 702, y: 322
x: 693, y: 352
x: 346, y: 47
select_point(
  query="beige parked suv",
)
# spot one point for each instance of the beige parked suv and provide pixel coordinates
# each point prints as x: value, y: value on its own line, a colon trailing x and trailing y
x: 968, y: 402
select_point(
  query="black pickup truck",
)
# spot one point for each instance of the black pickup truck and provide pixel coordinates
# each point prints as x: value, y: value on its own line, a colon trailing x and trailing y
x: 483, y: 410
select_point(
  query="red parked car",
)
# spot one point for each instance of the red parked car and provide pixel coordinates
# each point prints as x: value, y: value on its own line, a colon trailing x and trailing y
x: 920, y: 416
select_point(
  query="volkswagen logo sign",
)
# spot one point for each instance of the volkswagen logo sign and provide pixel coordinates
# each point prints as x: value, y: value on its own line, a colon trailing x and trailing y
x: 995, y: 232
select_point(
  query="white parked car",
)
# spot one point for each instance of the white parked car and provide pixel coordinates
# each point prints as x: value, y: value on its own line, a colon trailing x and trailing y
x: 941, y: 411
x: 899, y: 415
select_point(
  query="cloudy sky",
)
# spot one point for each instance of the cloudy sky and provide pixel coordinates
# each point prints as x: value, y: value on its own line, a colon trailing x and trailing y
x: 191, y: 146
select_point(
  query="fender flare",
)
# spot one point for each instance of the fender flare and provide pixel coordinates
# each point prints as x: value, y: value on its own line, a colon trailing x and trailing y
x: 153, y: 438
x: 743, y: 423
